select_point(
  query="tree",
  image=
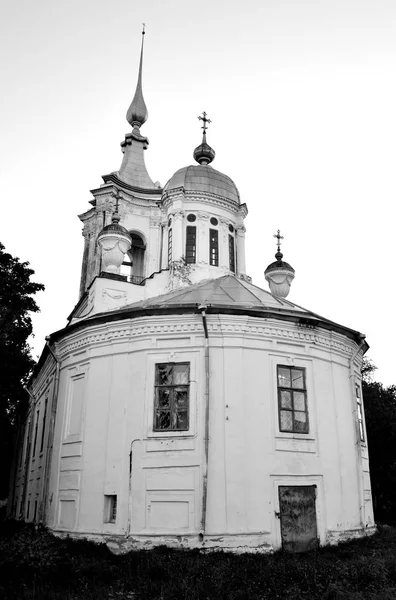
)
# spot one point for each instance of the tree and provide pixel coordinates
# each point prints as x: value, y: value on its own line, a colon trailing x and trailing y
x: 16, y: 362
x: 380, y: 412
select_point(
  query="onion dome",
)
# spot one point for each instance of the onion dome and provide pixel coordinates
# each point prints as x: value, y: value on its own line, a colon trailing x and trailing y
x: 203, y: 153
x: 279, y: 274
x: 137, y: 113
x: 114, y: 241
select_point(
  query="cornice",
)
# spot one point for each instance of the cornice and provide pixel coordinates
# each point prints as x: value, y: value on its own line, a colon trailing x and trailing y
x: 226, y: 326
x: 202, y: 197
x: 113, y: 178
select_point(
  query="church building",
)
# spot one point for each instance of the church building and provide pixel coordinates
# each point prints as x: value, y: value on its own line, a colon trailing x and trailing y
x: 182, y: 404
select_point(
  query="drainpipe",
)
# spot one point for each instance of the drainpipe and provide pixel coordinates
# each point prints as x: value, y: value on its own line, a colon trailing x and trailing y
x: 50, y: 443
x: 359, y: 449
x: 202, y: 309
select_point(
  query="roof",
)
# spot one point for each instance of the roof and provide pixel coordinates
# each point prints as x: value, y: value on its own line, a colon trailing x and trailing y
x: 227, y: 291
x: 203, y: 178
x: 225, y: 295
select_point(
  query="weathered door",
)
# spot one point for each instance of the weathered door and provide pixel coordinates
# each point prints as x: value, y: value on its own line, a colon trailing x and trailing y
x: 298, y: 517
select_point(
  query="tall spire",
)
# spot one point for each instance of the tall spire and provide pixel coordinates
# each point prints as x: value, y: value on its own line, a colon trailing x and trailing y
x: 137, y: 112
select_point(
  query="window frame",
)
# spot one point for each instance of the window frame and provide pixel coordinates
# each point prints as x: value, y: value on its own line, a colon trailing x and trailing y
x: 291, y: 390
x: 169, y: 246
x: 173, y: 409
x: 359, y: 412
x: 191, y: 244
x: 231, y: 253
x: 213, y: 247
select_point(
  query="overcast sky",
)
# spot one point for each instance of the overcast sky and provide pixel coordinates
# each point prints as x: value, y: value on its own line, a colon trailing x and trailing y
x: 302, y: 98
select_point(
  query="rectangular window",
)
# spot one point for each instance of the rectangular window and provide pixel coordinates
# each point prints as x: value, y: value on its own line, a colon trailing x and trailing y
x: 171, y: 402
x: 191, y: 244
x: 292, y: 400
x: 35, y: 433
x: 231, y: 246
x: 110, y: 508
x: 43, y: 427
x: 213, y: 247
x: 169, y: 246
x: 360, y: 412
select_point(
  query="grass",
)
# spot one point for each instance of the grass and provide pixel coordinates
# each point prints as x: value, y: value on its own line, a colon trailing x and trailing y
x: 36, y: 565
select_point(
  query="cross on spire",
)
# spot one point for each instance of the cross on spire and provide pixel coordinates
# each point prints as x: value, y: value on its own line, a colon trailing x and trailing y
x: 205, y: 121
x: 144, y: 28
x: 279, y: 238
x: 116, y: 217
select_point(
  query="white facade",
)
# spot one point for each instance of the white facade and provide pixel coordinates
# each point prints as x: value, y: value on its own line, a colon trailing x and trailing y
x: 265, y: 411
x: 104, y: 444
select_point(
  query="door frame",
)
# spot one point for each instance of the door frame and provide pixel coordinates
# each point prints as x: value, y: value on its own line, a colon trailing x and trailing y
x: 297, y: 480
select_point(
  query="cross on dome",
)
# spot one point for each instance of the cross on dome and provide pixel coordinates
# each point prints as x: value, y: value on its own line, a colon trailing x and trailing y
x: 203, y: 153
x: 205, y: 121
x: 279, y: 238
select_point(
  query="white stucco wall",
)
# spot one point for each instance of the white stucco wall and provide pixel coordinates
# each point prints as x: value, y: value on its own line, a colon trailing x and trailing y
x: 105, y: 424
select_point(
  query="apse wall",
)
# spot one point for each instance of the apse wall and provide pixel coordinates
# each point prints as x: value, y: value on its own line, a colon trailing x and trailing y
x: 112, y: 475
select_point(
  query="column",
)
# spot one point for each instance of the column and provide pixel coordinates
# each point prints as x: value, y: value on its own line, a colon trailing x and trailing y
x: 202, y: 238
x: 224, y: 258
x: 240, y: 250
x: 153, y: 247
x: 177, y: 234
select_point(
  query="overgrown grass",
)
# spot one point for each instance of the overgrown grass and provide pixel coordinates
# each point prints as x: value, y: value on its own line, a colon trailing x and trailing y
x: 36, y: 565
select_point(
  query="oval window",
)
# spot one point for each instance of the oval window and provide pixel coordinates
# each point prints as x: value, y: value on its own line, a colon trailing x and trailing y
x: 230, y: 227
x: 191, y: 218
x: 214, y: 221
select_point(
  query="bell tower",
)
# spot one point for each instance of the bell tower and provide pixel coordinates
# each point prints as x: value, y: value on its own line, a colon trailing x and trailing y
x: 138, y: 199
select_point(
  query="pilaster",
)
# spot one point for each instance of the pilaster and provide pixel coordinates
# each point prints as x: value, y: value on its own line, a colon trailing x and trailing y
x: 240, y: 250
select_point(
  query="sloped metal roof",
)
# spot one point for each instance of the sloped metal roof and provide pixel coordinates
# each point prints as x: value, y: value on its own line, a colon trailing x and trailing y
x: 227, y: 291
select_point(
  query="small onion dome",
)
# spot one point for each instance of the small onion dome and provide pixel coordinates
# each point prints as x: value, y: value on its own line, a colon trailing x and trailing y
x: 114, y: 241
x: 203, y: 153
x: 279, y: 275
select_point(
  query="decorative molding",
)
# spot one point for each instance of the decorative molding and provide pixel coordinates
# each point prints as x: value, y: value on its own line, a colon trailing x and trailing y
x: 241, y: 230
x: 202, y: 216
x: 203, y: 197
x: 155, y: 222
x: 177, y: 214
x: 263, y: 330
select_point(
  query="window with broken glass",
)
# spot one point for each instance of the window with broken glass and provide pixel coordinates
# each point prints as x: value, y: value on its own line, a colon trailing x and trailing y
x: 171, y: 403
x: 292, y: 400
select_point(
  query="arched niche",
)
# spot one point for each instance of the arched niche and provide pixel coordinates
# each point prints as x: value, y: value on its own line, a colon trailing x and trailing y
x: 134, y: 263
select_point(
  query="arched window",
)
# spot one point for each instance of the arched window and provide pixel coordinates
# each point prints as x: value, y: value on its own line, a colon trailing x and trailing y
x: 133, y: 265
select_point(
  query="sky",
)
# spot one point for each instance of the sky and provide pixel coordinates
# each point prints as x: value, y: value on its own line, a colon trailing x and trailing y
x: 302, y: 98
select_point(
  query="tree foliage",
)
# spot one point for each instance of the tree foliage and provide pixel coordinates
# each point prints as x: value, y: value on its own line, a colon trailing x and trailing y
x: 16, y: 305
x: 380, y: 413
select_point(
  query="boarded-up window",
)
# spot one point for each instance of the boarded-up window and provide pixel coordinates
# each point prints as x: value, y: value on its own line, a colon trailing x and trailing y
x: 292, y: 400
x: 76, y: 399
x: 171, y: 402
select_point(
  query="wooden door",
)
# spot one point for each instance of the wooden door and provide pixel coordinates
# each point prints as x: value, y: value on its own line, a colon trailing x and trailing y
x: 298, y: 517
